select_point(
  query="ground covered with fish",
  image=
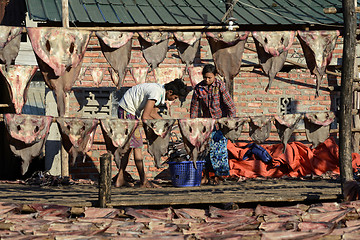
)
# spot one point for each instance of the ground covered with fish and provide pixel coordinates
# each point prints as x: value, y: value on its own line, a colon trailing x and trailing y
x: 318, y: 221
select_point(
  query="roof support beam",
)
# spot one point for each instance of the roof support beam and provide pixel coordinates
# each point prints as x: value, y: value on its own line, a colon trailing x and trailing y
x: 332, y: 10
x: 64, y: 154
x: 346, y: 94
x: 65, y: 13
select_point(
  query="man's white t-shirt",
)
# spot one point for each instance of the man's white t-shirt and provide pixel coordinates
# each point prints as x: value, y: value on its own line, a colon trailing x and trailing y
x: 134, y: 99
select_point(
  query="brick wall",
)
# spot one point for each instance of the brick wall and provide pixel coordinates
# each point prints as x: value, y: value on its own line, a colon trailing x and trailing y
x: 249, y: 94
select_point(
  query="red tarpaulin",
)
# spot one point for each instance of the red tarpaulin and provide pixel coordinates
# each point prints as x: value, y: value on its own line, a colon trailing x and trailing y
x: 298, y: 160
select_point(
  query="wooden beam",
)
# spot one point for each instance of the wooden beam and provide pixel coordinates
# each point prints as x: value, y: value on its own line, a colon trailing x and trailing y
x: 64, y: 154
x: 333, y: 10
x: 157, y: 28
x: 346, y: 94
x: 65, y: 13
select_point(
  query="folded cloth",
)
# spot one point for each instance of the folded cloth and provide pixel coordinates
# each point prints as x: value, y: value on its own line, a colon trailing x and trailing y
x: 259, y: 152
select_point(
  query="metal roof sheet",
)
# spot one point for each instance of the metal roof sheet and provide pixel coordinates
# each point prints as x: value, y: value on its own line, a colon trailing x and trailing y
x: 187, y: 12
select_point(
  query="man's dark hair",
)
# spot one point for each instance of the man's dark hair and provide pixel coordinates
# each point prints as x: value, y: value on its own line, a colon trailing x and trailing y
x: 209, y: 68
x: 177, y: 86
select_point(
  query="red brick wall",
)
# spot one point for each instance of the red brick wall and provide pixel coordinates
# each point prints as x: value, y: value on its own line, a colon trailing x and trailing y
x: 249, y: 94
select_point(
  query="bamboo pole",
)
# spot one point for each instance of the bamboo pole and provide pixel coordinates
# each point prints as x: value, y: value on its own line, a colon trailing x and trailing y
x: 229, y: 13
x: 157, y: 28
x: 64, y: 154
x: 65, y: 13
x: 345, y: 136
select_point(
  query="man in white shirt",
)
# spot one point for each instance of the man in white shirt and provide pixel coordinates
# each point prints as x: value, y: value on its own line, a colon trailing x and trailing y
x: 142, y: 102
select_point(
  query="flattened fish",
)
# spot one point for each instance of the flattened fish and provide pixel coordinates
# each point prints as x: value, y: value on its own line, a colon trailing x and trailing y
x: 139, y: 74
x: 27, y: 136
x: 187, y: 44
x: 259, y: 128
x: 158, y: 135
x: 59, y: 53
x: 317, y: 127
x: 195, y: 75
x: 318, y: 47
x: 285, y: 125
x: 117, y: 134
x: 77, y: 135
x: 167, y: 74
x: 231, y: 127
x: 196, y: 135
x: 227, y: 49
x: 272, y: 48
x: 10, y: 38
x: 18, y: 78
x: 116, y: 47
x: 97, y: 75
x: 154, y: 46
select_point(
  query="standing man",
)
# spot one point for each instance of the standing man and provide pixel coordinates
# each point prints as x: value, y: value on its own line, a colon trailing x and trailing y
x: 142, y: 102
x: 211, y: 100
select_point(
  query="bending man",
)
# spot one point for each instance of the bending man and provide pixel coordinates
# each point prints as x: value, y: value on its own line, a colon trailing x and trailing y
x: 142, y: 102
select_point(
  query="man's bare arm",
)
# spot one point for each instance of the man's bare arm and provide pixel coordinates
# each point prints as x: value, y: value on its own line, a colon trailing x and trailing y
x: 150, y: 111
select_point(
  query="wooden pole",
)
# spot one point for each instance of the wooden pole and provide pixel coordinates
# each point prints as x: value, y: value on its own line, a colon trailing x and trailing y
x: 105, y: 180
x: 64, y: 154
x: 65, y: 13
x: 356, y: 100
x: 229, y: 11
x: 158, y: 28
x: 346, y: 172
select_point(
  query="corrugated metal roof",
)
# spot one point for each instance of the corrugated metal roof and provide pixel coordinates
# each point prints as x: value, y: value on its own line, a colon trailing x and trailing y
x: 187, y: 12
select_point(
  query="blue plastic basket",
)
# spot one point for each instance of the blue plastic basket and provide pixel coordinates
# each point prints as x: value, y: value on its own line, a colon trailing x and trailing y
x: 183, y: 174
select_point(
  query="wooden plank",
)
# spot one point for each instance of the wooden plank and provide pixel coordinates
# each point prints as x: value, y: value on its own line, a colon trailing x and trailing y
x: 250, y: 191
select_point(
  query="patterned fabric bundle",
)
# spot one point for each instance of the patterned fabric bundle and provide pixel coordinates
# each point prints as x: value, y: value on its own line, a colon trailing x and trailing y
x: 217, y: 158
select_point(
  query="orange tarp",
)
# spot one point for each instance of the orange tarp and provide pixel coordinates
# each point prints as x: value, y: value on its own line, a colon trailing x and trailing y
x: 298, y: 160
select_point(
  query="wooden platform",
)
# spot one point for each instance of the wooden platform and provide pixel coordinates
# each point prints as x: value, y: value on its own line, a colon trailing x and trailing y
x: 251, y: 191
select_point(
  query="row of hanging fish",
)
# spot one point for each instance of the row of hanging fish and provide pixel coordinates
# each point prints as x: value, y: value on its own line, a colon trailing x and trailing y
x: 28, y: 133
x: 59, y: 53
